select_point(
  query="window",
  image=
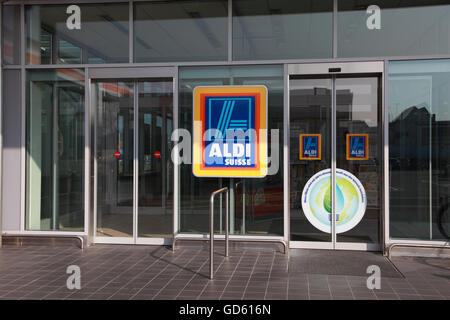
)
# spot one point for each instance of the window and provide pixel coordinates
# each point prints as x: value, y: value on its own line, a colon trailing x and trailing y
x: 180, y: 30
x: 55, y: 150
x: 407, y: 28
x: 103, y: 36
x: 419, y: 149
x: 282, y: 29
x: 11, y: 34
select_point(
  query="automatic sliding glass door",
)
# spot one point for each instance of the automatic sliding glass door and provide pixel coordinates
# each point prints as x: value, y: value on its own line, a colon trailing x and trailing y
x: 335, y: 140
x: 134, y: 174
x: 115, y: 159
x: 155, y: 167
x: 358, y: 153
x: 310, y: 129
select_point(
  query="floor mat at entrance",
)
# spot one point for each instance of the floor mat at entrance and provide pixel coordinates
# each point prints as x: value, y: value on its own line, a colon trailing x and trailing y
x: 348, y: 263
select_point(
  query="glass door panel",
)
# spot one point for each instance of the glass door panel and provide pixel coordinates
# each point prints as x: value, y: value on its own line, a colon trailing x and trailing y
x: 134, y: 124
x: 358, y: 119
x: 349, y: 215
x: 155, y: 175
x: 310, y: 159
x: 115, y: 158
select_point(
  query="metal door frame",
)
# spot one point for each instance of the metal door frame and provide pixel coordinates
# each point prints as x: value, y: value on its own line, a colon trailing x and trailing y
x: 116, y: 74
x: 333, y: 69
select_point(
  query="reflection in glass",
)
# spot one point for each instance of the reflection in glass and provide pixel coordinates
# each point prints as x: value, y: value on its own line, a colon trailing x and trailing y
x: 256, y: 204
x: 11, y: 34
x: 115, y: 158
x: 357, y: 112
x: 102, y: 38
x: 282, y: 29
x: 419, y: 149
x: 69, y: 53
x: 310, y: 113
x: 55, y: 150
x: 155, y: 182
x: 407, y: 28
x: 188, y: 30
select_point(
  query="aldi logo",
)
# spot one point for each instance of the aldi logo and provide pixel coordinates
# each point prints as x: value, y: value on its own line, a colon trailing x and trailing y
x: 310, y: 147
x: 357, y: 146
x: 230, y: 131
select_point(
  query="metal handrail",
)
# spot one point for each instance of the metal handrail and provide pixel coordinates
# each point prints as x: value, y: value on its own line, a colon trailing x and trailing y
x: 211, y: 227
x: 18, y: 237
x: 413, y: 245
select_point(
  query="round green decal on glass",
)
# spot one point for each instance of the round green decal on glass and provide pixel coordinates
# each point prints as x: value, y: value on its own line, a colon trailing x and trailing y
x: 350, y: 200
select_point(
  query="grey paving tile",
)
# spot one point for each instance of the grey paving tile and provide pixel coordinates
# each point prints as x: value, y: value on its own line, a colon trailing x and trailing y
x: 99, y: 296
x: 298, y: 297
x: 427, y: 297
x: 387, y: 296
x: 362, y: 291
x: 341, y: 292
x: 276, y: 297
x: 232, y: 291
x: 254, y: 296
x: 34, y: 296
x: 338, y: 285
x: 409, y: 297
x: 320, y: 297
x: 257, y: 291
x: 365, y: 296
x: 251, y: 284
x: 227, y: 296
x: 81, y: 296
x: 121, y: 297
x: 343, y: 297
x: 143, y: 296
x: 164, y: 297
x: 319, y: 291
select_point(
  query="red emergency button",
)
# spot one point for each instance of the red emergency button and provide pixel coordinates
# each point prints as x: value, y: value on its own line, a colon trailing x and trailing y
x: 117, y: 154
x: 157, y: 154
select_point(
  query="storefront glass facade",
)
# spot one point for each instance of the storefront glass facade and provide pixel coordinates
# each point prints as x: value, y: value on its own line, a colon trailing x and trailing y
x: 419, y: 114
x: 62, y: 124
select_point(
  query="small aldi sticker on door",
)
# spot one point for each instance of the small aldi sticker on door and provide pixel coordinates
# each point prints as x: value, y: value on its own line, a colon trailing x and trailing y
x: 357, y: 146
x: 310, y: 147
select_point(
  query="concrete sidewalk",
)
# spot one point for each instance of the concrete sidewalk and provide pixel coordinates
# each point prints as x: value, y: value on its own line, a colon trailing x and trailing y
x: 150, y: 272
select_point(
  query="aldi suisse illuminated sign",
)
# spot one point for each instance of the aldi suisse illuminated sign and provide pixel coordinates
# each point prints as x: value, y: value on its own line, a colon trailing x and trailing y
x: 230, y: 131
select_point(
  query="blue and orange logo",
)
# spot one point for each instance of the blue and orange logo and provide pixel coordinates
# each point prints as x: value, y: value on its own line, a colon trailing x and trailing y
x: 310, y: 147
x: 357, y: 146
x: 230, y: 131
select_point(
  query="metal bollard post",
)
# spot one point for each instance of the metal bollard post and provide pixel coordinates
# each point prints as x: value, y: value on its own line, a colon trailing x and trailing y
x: 211, y: 237
x: 227, y: 222
x: 211, y: 228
